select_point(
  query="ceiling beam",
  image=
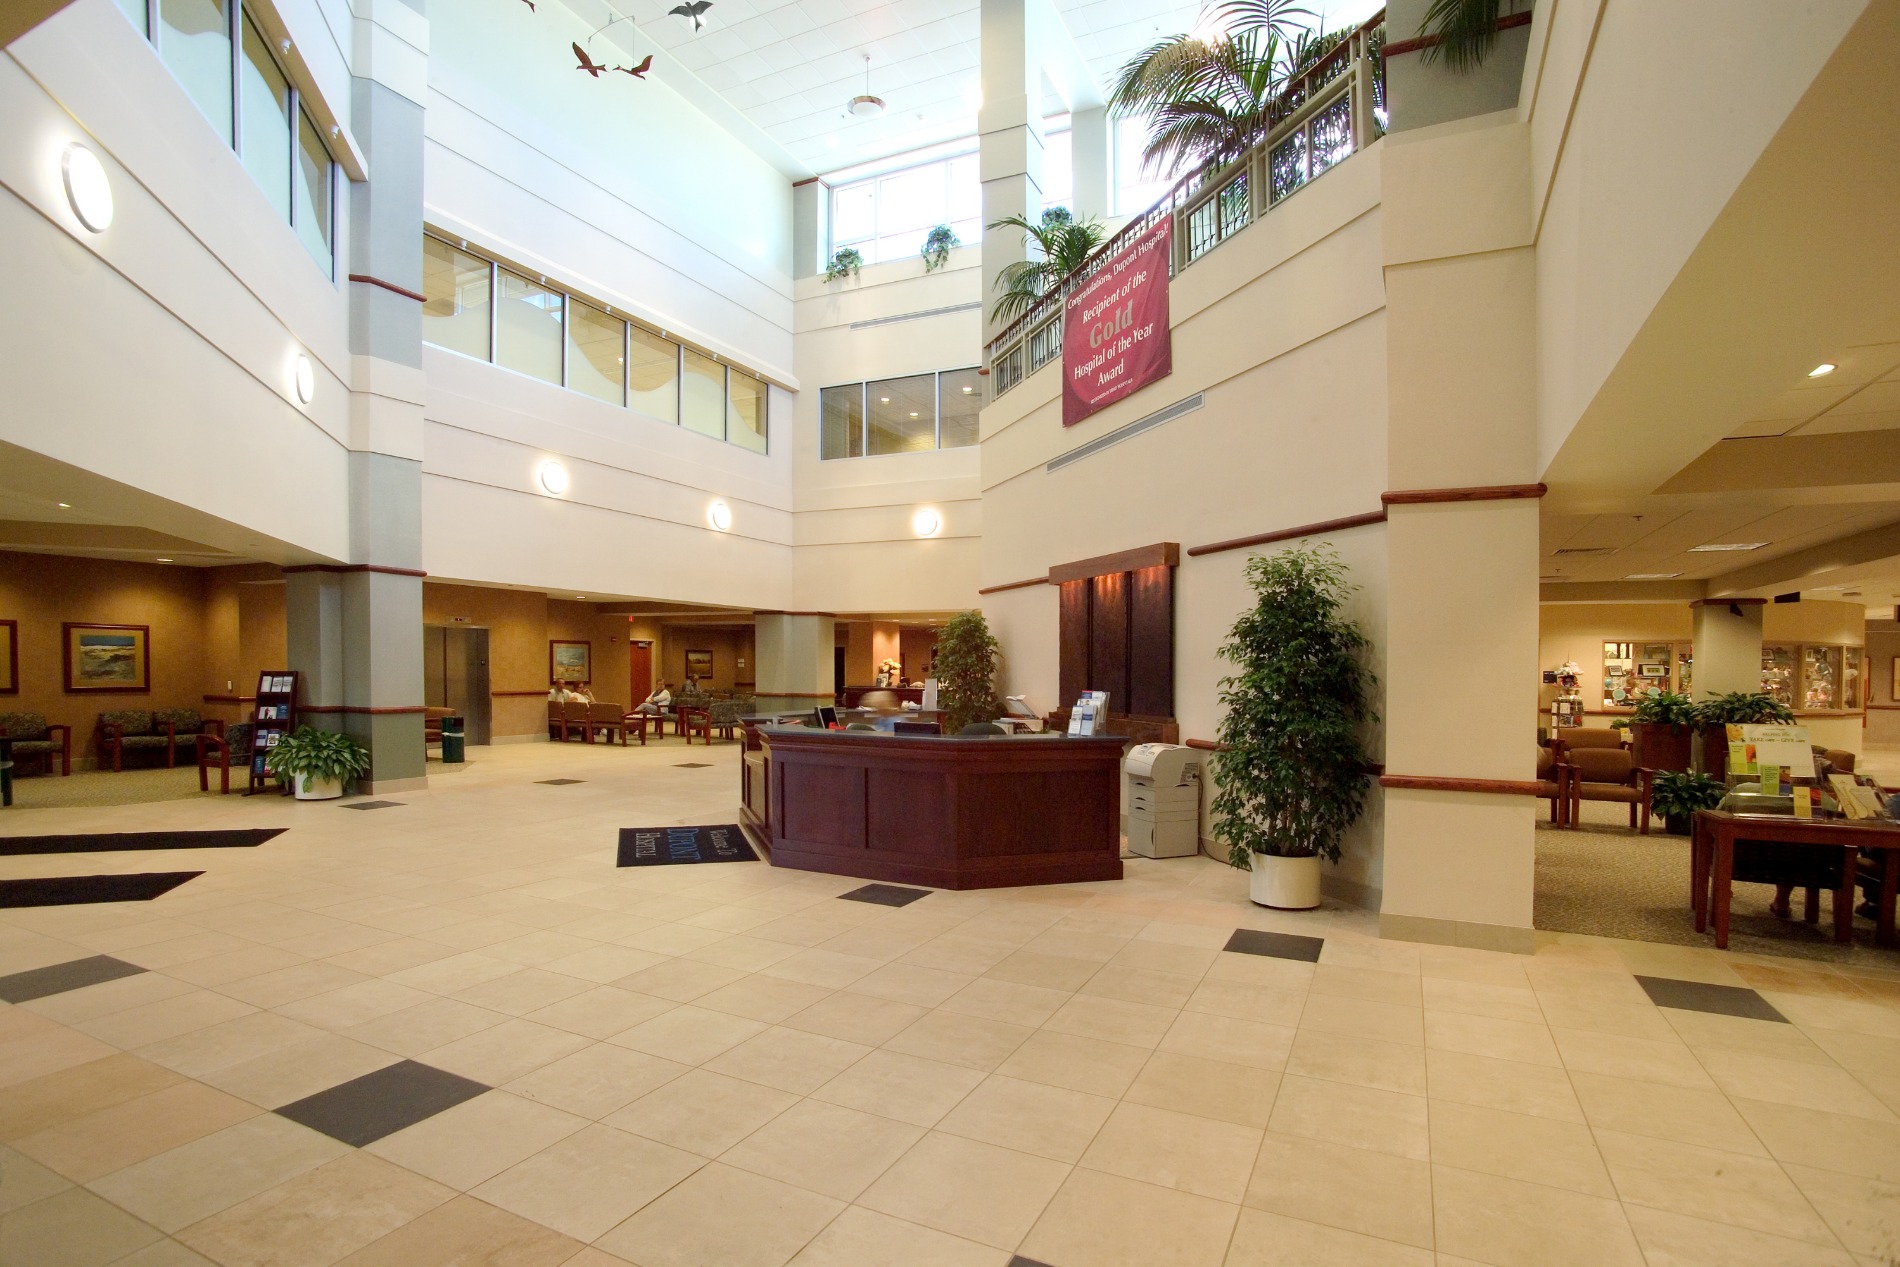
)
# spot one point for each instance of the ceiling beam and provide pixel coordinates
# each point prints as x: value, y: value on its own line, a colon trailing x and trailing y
x: 1790, y: 570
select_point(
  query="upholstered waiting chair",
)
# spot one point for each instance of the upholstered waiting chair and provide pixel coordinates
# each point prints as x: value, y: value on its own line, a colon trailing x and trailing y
x: 1608, y: 774
x: 1553, y: 781
x: 224, y: 753
x: 138, y: 728
x: 610, y: 720
x: 1586, y: 737
x: 32, y: 737
x: 574, y: 717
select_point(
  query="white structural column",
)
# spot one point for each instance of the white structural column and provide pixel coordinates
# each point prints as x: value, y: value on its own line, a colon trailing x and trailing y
x: 1091, y: 159
x: 1010, y: 123
x: 1727, y: 645
x: 797, y: 660
x: 1462, y: 533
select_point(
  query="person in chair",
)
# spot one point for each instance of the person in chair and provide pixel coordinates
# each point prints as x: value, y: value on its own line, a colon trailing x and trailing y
x: 658, y: 702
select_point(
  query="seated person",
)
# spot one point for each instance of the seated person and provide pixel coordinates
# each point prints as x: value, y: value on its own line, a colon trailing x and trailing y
x: 658, y: 702
x: 560, y: 694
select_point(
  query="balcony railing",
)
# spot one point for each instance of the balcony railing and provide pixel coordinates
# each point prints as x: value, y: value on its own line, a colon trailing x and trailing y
x: 1334, y: 109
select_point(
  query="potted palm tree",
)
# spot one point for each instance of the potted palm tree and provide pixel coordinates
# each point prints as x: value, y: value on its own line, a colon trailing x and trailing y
x: 319, y: 762
x: 1292, y: 770
x: 966, y: 672
x: 1660, y: 731
x: 1059, y: 245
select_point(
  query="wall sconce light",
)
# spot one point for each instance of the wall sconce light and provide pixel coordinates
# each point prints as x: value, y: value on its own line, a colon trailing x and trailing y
x: 553, y: 478
x: 926, y: 523
x: 304, y: 378
x: 719, y: 515
x: 88, y: 191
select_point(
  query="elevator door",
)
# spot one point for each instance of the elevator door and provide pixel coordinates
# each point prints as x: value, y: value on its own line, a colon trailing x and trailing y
x: 455, y: 674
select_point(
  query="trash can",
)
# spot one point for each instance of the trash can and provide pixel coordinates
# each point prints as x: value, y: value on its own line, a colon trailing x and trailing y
x: 454, y: 737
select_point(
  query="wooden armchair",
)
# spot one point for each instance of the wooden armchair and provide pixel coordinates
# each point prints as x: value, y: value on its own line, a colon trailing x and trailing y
x: 1608, y: 774
x: 574, y: 718
x: 1553, y: 783
x: 609, y: 721
x: 33, y: 737
x: 557, y: 721
x: 223, y: 750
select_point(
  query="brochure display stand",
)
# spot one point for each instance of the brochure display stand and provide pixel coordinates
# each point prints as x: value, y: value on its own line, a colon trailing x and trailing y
x: 274, y: 717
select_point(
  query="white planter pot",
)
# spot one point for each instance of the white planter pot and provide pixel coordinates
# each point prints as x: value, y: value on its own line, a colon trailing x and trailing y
x: 309, y: 789
x: 1286, y: 884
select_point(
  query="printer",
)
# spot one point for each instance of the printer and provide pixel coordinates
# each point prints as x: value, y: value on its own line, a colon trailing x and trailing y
x: 1164, y: 800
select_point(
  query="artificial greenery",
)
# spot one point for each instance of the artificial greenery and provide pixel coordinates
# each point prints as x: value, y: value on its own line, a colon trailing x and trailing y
x: 1665, y: 708
x: 1293, y: 765
x: 1621, y: 723
x: 1060, y: 244
x: 1463, y: 33
x: 937, y: 244
x: 317, y: 756
x: 1678, y: 795
x: 966, y: 672
x: 1743, y: 708
x: 845, y: 263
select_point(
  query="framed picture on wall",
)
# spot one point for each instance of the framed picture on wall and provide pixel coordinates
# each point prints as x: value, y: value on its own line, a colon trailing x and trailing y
x: 570, y: 661
x: 107, y: 659
x: 699, y: 664
x: 9, y: 657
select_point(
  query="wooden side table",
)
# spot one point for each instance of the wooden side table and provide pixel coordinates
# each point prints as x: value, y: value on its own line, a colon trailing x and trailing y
x: 1712, y: 864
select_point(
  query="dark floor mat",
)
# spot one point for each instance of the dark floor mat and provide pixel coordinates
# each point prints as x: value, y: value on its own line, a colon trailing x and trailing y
x: 663, y: 846
x: 127, y: 841
x: 78, y: 890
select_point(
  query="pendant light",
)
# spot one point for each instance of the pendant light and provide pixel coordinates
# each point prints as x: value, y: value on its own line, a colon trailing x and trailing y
x: 866, y: 106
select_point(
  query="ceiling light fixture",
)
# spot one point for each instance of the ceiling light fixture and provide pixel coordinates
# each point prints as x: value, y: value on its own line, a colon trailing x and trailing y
x: 926, y: 523
x: 553, y: 478
x: 1822, y: 370
x: 64, y: 505
x: 719, y: 515
x: 865, y: 105
x: 88, y: 191
x: 1652, y: 576
x: 161, y: 560
x: 1729, y: 545
x: 304, y: 379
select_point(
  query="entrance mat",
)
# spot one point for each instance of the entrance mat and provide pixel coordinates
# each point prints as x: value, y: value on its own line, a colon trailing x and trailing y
x: 663, y: 846
x: 74, y: 974
x: 121, y: 842
x: 1249, y: 941
x: 885, y: 894
x: 78, y: 890
x: 363, y: 1110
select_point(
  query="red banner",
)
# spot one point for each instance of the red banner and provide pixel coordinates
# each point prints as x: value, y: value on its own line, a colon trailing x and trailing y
x: 1115, y: 327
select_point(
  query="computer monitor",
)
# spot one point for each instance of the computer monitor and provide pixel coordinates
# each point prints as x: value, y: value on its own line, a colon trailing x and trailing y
x: 825, y: 716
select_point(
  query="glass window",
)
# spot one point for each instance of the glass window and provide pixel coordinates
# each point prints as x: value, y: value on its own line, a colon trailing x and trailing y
x: 1619, y: 674
x: 596, y: 353
x: 653, y: 375
x: 312, y: 214
x: 455, y: 289
x: 195, y: 41
x: 1850, y: 677
x: 1135, y: 189
x: 135, y: 9
x: 854, y: 213
x: 528, y: 328
x: 1777, y: 673
x: 1821, y: 677
x: 1058, y: 172
x: 264, y: 111
x: 841, y: 421
x: 902, y: 414
x: 703, y: 402
x: 745, y: 411
x: 966, y: 191
x: 960, y: 399
x: 1685, y: 668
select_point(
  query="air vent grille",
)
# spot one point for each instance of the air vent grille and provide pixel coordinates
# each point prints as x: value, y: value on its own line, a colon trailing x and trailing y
x: 1576, y: 550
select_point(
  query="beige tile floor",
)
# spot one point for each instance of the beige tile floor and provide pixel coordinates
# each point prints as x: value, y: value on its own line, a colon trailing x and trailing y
x: 725, y: 1066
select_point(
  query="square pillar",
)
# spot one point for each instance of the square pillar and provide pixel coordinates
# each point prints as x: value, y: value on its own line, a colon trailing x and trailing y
x: 1727, y: 645
x: 1009, y: 158
x: 1091, y: 160
x: 796, y: 653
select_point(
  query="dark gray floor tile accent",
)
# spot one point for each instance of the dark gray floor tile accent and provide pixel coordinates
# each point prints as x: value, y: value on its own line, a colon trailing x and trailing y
x: 80, y: 890
x: 1020, y: 1261
x: 363, y: 1110
x: 885, y: 894
x: 372, y: 805
x: 74, y: 974
x: 1251, y: 941
x: 125, y: 842
x: 559, y: 782
x: 1700, y: 996
x: 693, y: 765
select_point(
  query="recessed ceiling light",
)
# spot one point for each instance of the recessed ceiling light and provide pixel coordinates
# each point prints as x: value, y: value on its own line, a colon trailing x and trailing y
x: 1728, y: 545
x: 88, y: 191
x: 1822, y: 370
x: 161, y: 560
x: 1652, y: 576
x: 883, y: 400
x: 580, y: 596
x: 719, y: 515
x: 553, y: 477
x: 926, y: 522
x: 64, y: 505
x: 913, y: 413
x: 968, y: 390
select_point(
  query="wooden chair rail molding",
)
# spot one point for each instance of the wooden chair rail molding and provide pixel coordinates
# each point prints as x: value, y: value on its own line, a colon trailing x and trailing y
x: 230, y: 699
x: 353, y: 567
x: 1495, y: 787
x: 1373, y: 770
x: 1485, y: 493
x: 1160, y: 554
x: 539, y: 690
x: 1288, y: 534
x: 1014, y: 585
x: 362, y: 710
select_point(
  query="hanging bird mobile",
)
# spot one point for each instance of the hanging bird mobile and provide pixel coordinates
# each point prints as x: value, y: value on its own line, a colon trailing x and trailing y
x: 588, y: 64
x: 693, y: 11
x: 639, y: 71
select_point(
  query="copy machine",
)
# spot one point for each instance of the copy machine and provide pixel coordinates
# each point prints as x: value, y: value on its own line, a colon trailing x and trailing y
x: 1164, y: 800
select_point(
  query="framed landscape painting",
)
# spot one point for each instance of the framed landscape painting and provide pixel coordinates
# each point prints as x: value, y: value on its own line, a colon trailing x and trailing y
x: 9, y: 657
x: 570, y: 661
x: 699, y: 665
x: 103, y: 659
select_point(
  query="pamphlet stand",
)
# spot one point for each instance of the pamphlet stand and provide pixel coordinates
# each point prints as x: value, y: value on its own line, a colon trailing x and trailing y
x: 274, y: 717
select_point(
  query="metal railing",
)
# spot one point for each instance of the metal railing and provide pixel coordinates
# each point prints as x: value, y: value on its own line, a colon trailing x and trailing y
x: 1331, y: 111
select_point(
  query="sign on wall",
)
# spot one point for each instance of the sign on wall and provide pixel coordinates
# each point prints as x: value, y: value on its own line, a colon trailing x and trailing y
x: 1115, y: 327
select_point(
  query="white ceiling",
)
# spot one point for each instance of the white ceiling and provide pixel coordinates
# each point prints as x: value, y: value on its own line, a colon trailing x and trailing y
x: 790, y: 66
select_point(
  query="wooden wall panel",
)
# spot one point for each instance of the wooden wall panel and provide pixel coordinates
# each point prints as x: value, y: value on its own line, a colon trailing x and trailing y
x: 1074, y: 672
x: 1151, y: 642
x: 1108, y: 639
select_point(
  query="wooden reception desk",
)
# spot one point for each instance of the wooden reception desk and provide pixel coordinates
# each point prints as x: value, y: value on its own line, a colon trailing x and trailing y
x: 973, y: 813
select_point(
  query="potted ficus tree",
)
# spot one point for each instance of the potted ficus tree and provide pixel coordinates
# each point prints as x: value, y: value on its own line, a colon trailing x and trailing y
x: 319, y: 762
x: 1677, y: 794
x: 1661, y: 728
x: 937, y: 244
x: 966, y: 672
x: 1292, y: 770
x: 1736, y: 708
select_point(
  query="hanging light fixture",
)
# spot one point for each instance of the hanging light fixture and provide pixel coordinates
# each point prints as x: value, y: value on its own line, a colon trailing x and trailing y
x: 866, y: 106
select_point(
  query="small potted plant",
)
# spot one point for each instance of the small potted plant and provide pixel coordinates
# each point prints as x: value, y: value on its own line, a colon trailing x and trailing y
x: 1736, y: 708
x: 1292, y: 770
x: 1660, y: 731
x: 319, y: 762
x: 937, y: 246
x: 845, y: 263
x: 1678, y: 794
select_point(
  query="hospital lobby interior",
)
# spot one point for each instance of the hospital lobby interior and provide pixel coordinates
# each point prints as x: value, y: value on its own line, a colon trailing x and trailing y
x: 950, y: 633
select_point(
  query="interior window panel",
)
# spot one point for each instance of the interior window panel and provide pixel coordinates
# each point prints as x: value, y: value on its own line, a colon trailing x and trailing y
x: 653, y: 375
x: 841, y: 421
x: 195, y: 42
x: 960, y: 400
x: 456, y: 292
x: 596, y: 353
x: 703, y: 395
x: 901, y: 414
x: 745, y: 411
x: 264, y: 109
x: 528, y: 328
x: 312, y: 193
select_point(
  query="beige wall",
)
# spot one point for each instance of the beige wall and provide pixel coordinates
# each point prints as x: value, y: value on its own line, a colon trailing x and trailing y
x: 728, y: 646
x: 1883, y: 705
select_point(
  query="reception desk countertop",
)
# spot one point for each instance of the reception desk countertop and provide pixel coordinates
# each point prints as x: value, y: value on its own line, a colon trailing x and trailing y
x: 951, y: 813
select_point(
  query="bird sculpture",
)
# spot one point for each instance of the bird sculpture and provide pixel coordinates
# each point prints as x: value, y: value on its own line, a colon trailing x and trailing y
x: 638, y: 71
x: 530, y: 4
x: 588, y: 64
x: 694, y: 11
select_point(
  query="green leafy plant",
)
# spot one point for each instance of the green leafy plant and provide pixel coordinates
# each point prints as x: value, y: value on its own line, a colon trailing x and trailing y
x: 1678, y: 795
x: 1621, y: 723
x: 845, y: 263
x: 966, y: 672
x: 937, y: 244
x: 1059, y: 245
x: 1293, y: 767
x: 1667, y: 708
x: 317, y: 756
x: 1743, y: 708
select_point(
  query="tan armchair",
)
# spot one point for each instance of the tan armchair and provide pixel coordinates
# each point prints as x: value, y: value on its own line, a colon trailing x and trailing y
x: 609, y: 722
x: 1553, y: 783
x: 1608, y: 774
